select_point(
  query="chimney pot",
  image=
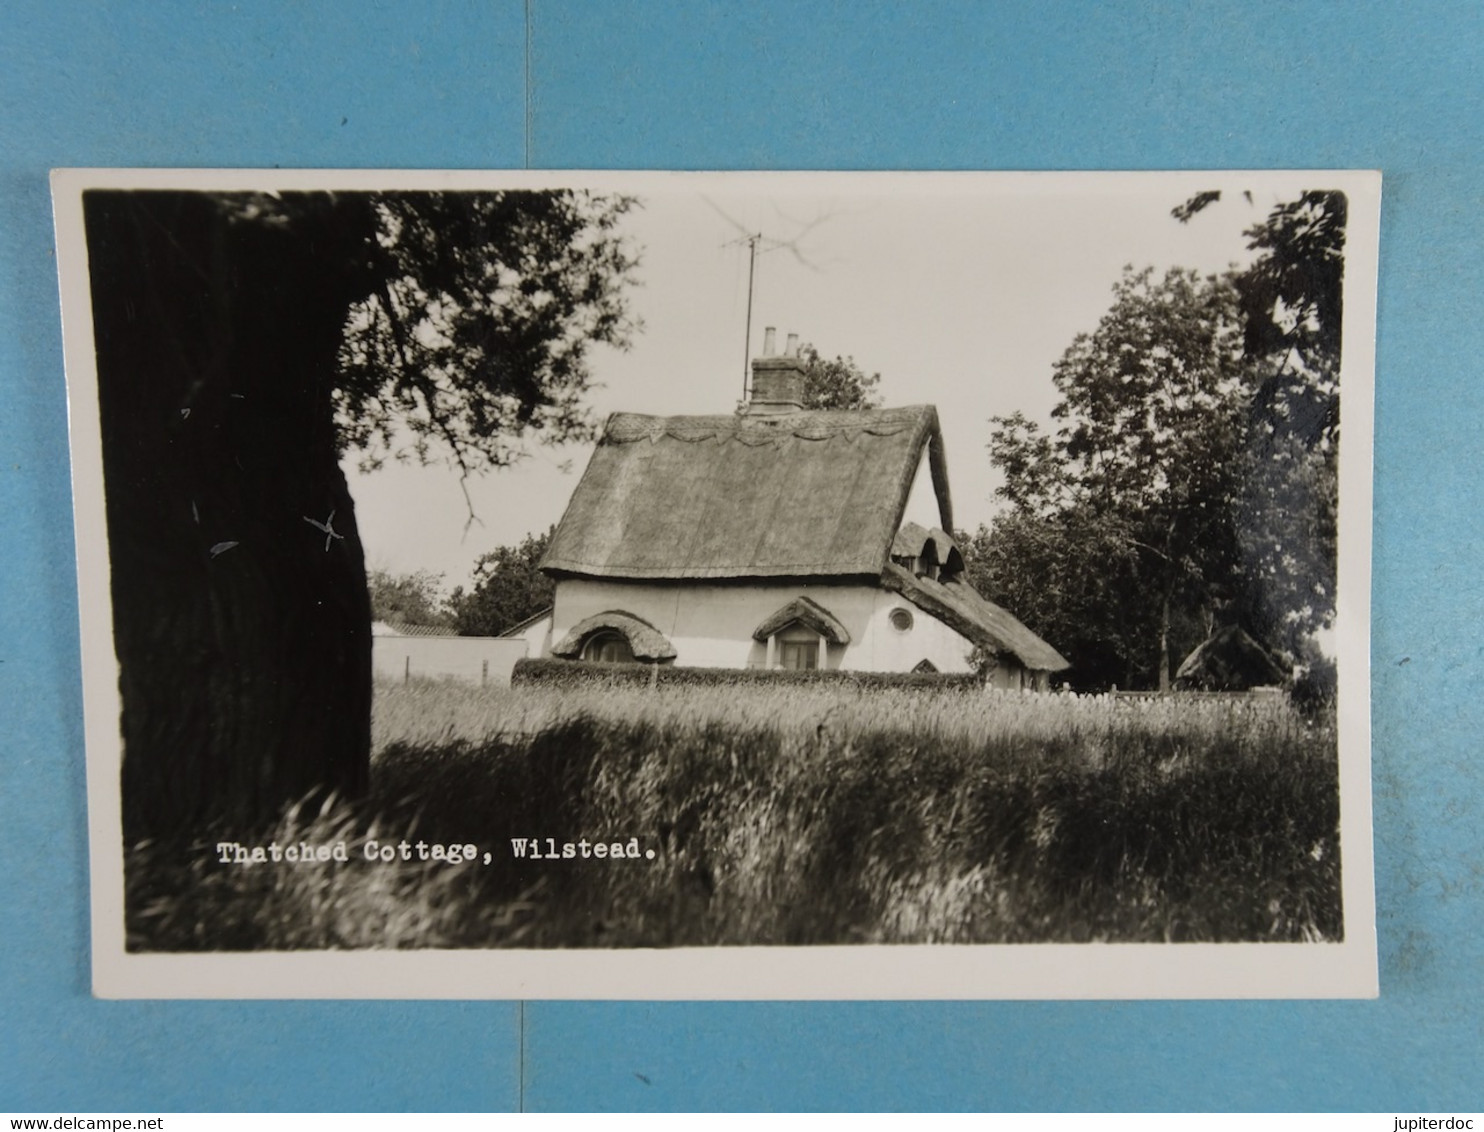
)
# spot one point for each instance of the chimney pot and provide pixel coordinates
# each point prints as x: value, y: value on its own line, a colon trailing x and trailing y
x: 777, y: 380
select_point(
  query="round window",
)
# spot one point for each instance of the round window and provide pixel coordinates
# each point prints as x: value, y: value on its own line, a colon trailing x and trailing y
x: 901, y: 620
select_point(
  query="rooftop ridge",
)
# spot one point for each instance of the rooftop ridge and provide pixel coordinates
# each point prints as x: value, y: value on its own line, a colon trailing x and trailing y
x: 624, y: 425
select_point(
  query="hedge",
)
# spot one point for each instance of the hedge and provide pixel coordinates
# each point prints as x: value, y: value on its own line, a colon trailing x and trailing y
x: 577, y: 673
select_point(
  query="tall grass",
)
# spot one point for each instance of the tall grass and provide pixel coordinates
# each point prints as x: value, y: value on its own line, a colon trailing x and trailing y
x: 788, y: 815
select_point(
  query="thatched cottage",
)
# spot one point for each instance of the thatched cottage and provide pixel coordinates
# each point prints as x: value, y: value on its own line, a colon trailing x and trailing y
x: 774, y: 538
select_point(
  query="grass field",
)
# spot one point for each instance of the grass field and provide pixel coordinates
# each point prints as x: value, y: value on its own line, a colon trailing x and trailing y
x: 792, y: 816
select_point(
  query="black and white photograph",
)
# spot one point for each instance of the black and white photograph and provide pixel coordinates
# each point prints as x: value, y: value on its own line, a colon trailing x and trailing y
x: 711, y: 585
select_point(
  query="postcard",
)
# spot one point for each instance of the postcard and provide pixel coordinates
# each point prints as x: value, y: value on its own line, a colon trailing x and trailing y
x: 724, y: 585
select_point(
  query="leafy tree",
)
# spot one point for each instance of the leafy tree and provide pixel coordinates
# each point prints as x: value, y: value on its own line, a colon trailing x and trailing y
x: 1293, y: 307
x: 1192, y: 478
x: 408, y: 599
x: 474, y: 332
x: 508, y: 587
x: 1066, y: 576
x: 837, y: 383
x: 1183, y: 212
x: 1293, y: 292
x: 1142, y: 472
x: 245, y: 342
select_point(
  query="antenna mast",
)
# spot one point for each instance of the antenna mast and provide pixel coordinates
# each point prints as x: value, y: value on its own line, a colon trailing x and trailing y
x: 752, y: 240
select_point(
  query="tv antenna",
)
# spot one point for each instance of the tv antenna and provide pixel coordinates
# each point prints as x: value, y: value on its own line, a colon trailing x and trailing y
x: 756, y: 240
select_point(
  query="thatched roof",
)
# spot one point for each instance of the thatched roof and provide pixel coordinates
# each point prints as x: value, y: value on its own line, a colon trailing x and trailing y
x: 916, y: 541
x: 1229, y: 660
x: 806, y: 494
x: 959, y: 606
x: 646, y: 642
x: 910, y: 540
x: 808, y: 613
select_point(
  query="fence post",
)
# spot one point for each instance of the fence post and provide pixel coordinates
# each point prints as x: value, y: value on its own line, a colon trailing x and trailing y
x: 407, y: 669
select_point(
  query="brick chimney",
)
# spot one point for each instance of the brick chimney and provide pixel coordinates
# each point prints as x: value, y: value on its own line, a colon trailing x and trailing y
x: 777, y: 380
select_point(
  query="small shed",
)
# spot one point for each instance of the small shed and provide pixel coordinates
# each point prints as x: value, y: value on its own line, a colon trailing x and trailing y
x: 1229, y: 660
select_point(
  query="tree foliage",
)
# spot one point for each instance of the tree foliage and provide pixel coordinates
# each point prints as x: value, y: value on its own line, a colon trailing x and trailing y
x: 1128, y: 504
x: 1293, y: 306
x: 1191, y: 476
x: 477, y: 320
x: 408, y: 599
x: 1293, y: 295
x: 508, y: 588
x: 1198, y: 203
x: 1042, y: 568
x: 837, y: 383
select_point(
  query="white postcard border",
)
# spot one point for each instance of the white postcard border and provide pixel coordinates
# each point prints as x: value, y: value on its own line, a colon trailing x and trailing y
x: 1025, y: 971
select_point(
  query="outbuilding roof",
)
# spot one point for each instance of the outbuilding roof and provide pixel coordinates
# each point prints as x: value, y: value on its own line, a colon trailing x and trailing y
x: 1229, y: 660
x: 805, y: 494
x: 404, y: 629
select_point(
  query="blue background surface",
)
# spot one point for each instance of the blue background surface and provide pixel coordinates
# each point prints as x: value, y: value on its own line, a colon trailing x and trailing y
x: 775, y: 85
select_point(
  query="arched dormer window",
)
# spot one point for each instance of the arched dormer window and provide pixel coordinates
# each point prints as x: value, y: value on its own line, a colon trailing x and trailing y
x: 912, y: 549
x: 608, y: 646
x: 949, y: 560
x: 615, y: 637
x: 931, y: 554
x: 926, y: 565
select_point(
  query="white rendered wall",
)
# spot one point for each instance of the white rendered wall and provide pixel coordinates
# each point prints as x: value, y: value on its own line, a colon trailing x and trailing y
x: 711, y: 625
x: 537, y: 636
x: 480, y: 660
x: 885, y: 648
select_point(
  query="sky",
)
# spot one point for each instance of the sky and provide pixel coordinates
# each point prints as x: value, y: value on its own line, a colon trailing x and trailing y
x: 960, y: 290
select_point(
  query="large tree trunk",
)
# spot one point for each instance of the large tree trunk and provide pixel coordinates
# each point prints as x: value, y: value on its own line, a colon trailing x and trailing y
x: 242, y: 630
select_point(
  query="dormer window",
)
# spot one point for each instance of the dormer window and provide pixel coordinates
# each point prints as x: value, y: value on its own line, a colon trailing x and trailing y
x: 952, y: 565
x: 608, y: 647
x: 615, y: 637
x: 798, y: 635
x: 926, y: 565
x: 798, y: 648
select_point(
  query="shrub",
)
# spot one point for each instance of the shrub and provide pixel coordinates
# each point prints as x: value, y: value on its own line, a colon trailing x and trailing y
x: 576, y: 673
